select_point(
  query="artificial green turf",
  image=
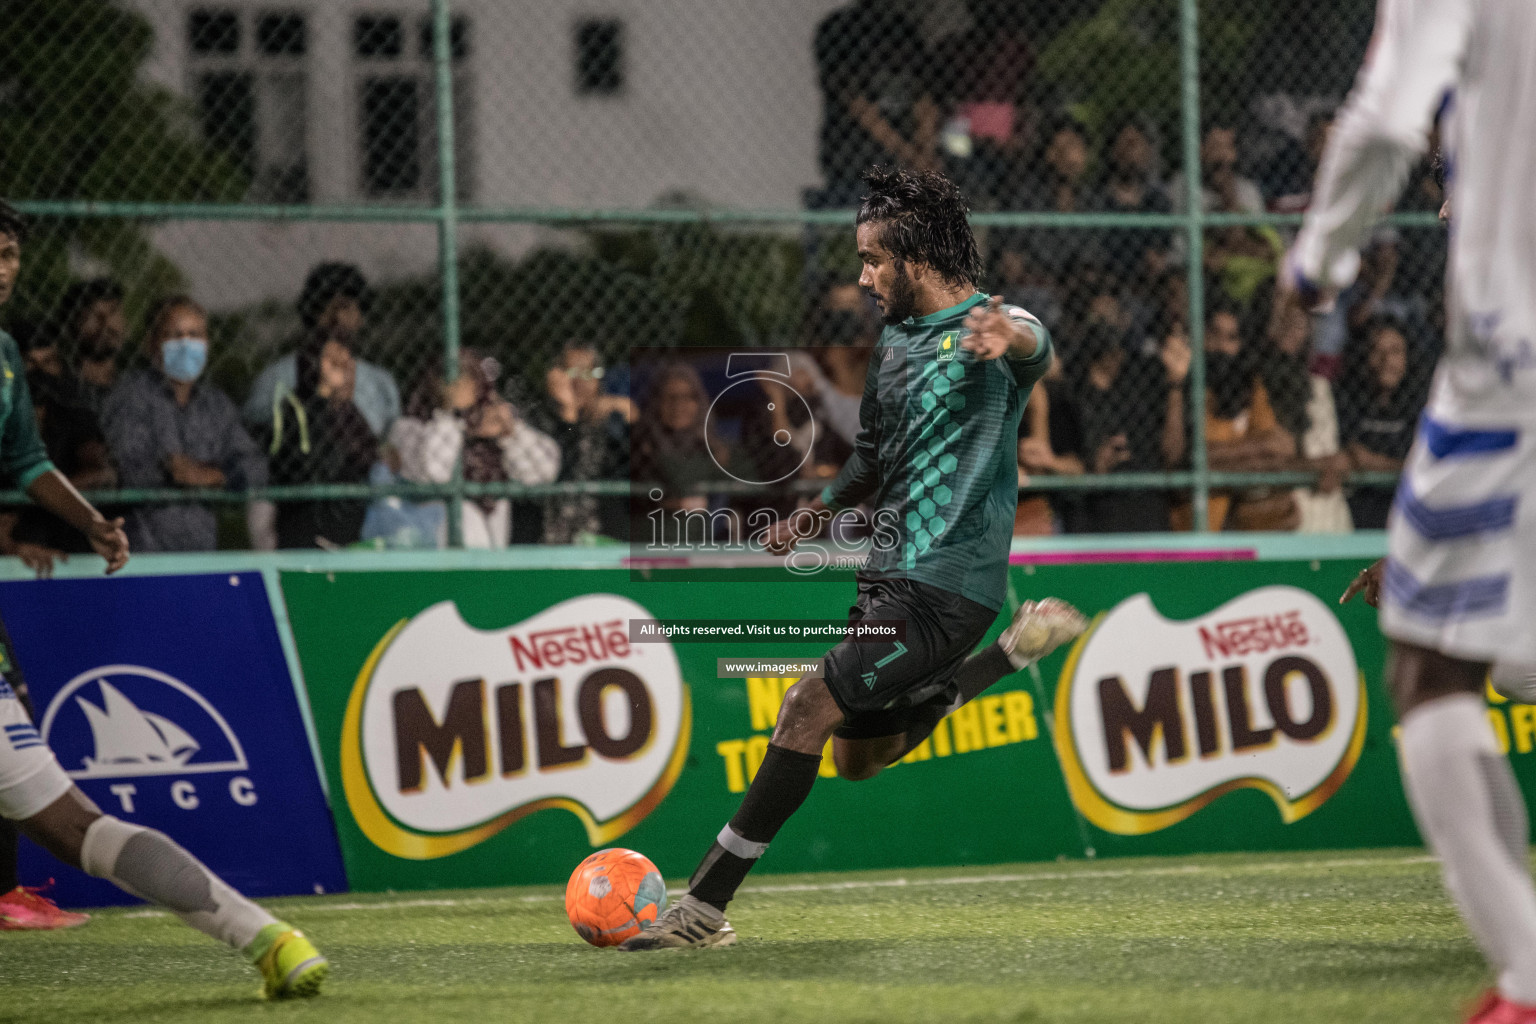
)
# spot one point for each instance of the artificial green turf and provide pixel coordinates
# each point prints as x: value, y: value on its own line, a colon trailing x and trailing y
x: 1336, y: 936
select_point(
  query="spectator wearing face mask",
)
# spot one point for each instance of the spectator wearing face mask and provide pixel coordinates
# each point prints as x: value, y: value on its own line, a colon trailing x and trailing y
x: 168, y: 427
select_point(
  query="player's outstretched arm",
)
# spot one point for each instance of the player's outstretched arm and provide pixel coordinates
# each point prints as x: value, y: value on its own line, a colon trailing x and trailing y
x: 994, y: 333
x: 1411, y: 64
x: 54, y: 492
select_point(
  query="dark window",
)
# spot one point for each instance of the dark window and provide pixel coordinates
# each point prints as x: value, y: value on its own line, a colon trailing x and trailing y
x: 599, y: 57
x: 391, y: 135
x: 227, y: 103
x: 280, y: 35
x: 458, y: 38
x: 214, y: 31
x: 378, y: 36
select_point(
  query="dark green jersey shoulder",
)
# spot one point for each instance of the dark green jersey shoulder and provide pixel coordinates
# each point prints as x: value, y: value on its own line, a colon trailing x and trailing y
x: 937, y: 453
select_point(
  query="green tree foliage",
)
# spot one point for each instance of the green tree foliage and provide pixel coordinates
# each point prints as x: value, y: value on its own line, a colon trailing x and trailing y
x: 659, y: 287
x: 1122, y: 56
x: 79, y: 123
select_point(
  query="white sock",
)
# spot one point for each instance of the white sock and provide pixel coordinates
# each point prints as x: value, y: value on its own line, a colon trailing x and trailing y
x: 1472, y: 815
x: 1516, y: 680
x: 150, y: 865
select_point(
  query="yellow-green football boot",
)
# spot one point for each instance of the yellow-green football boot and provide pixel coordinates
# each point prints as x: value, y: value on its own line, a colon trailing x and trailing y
x: 290, y: 965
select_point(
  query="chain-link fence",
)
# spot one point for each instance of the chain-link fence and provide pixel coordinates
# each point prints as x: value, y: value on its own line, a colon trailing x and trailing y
x: 420, y: 302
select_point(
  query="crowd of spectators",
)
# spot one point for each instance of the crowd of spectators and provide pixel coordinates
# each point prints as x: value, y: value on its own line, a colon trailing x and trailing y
x: 902, y: 83
x: 1284, y: 391
x: 1329, y: 395
x: 320, y: 414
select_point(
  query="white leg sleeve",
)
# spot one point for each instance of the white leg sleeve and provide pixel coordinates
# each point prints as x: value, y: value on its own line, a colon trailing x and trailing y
x: 150, y: 865
x: 1471, y: 813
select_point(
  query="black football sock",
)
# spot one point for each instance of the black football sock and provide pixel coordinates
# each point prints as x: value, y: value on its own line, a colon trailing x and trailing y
x: 980, y: 672
x: 781, y: 785
x: 976, y: 674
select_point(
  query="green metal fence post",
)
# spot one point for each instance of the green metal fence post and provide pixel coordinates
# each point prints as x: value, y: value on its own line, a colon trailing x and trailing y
x: 448, y: 234
x: 1194, y: 226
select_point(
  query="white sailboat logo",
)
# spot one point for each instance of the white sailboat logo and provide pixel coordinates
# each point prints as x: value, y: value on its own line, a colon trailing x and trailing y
x: 126, y: 736
x: 129, y: 741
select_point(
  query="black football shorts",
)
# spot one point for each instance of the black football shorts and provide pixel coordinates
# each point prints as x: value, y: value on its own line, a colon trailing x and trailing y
x: 885, y: 685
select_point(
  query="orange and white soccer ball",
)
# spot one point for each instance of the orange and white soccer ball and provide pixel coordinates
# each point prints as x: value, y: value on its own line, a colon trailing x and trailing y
x: 612, y: 895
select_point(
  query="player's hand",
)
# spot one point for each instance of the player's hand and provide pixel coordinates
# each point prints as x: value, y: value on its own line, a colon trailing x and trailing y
x: 39, y: 558
x: 991, y: 331
x: 1368, y: 582
x: 110, y: 542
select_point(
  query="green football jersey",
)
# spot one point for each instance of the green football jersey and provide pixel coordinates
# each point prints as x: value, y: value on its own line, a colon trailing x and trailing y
x: 937, y: 453
x: 22, y: 456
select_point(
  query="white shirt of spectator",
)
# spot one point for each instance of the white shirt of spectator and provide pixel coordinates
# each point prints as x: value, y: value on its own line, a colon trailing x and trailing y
x: 429, y: 449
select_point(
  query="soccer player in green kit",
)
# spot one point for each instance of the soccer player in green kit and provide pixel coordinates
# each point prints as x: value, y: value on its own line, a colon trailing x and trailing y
x: 936, y: 458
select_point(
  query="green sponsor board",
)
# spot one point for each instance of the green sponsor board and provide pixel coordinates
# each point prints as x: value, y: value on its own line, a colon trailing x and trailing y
x: 494, y: 727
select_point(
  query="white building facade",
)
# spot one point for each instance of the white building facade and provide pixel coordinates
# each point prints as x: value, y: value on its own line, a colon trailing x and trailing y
x: 560, y: 103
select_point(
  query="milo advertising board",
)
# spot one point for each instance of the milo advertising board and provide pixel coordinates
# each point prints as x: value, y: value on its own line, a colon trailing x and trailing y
x: 1164, y: 717
x: 495, y: 726
x: 558, y: 711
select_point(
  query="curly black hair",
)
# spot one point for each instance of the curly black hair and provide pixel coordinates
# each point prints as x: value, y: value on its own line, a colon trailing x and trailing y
x: 921, y: 218
x: 11, y: 222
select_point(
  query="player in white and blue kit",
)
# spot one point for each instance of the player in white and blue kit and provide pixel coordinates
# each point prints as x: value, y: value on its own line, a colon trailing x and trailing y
x: 1459, y: 584
x: 36, y: 793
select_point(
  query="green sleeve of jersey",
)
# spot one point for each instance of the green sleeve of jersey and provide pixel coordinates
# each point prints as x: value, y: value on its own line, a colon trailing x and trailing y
x: 22, y: 455
x: 860, y: 475
x: 1028, y: 371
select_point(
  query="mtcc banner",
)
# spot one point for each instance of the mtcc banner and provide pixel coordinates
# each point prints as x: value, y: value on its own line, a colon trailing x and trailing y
x: 453, y: 733
x: 169, y: 702
x: 1162, y: 717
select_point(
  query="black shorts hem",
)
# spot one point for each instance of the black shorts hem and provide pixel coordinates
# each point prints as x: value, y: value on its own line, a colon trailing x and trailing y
x: 875, y: 684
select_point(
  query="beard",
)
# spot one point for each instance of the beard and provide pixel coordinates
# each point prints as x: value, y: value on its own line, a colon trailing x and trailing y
x: 902, y: 300
x: 101, y: 347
